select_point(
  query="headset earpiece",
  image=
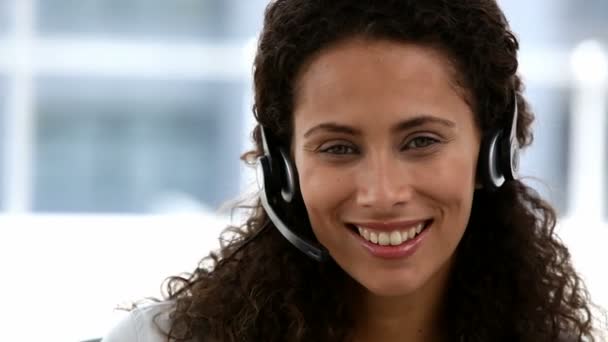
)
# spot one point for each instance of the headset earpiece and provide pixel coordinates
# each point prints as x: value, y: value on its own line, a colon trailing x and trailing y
x: 489, y: 169
x: 289, y: 184
x: 277, y: 175
x: 282, y: 173
x: 511, y: 146
x: 499, y: 154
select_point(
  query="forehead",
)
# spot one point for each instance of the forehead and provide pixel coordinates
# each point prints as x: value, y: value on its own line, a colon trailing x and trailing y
x: 375, y: 80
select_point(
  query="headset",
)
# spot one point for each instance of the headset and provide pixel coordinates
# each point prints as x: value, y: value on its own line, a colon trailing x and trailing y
x: 278, y: 180
x: 499, y: 154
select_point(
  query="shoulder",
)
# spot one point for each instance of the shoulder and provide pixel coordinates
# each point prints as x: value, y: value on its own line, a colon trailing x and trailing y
x: 148, y: 323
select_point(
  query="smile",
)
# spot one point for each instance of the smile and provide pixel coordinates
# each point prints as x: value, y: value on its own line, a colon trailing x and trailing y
x: 392, y: 237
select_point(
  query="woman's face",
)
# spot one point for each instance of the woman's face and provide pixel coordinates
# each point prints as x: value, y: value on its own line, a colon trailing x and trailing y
x: 386, y: 149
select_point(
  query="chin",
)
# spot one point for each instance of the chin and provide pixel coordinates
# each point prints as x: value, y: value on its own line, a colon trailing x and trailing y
x: 391, y: 285
x: 378, y: 279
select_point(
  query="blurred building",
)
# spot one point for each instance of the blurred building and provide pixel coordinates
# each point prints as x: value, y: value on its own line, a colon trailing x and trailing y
x: 566, y: 85
x: 122, y: 106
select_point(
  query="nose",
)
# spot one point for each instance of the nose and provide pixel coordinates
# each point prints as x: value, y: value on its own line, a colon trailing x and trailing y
x: 384, y: 182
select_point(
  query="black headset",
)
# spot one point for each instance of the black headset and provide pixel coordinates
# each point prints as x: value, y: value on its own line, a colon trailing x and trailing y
x: 277, y: 179
x: 277, y: 176
x: 499, y: 154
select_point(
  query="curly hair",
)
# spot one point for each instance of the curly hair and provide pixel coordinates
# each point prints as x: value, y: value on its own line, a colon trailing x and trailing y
x: 513, y: 279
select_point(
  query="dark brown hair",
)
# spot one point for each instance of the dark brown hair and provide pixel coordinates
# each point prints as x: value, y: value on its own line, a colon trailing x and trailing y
x: 512, y: 279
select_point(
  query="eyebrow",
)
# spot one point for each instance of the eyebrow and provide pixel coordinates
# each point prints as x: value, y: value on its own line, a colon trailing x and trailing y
x: 411, y: 123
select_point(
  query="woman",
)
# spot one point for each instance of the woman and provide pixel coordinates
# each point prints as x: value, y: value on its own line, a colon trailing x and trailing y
x: 388, y: 140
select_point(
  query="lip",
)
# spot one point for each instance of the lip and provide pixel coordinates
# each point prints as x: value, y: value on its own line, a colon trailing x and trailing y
x: 404, y: 250
x: 388, y: 226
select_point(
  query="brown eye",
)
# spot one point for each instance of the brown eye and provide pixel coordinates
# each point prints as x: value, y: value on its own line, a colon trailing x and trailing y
x: 421, y: 142
x: 339, y: 149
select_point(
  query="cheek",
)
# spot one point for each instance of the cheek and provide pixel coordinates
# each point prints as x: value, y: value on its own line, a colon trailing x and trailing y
x: 453, y: 178
x: 323, y: 188
x: 451, y: 188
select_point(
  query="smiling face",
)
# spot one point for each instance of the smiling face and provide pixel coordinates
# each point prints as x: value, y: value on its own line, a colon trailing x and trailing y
x: 386, y: 149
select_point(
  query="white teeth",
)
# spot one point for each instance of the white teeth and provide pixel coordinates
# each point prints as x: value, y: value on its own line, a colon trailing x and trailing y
x: 373, y: 237
x: 412, y: 233
x: 392, y: 238
x: 384, y: 239
x: 396, y: 238
x: 365, y: 234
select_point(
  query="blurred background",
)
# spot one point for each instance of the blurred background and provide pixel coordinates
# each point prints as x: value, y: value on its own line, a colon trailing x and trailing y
x: 122, y: 123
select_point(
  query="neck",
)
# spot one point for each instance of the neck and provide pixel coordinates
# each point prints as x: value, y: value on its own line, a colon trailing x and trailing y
x: 411, y: 317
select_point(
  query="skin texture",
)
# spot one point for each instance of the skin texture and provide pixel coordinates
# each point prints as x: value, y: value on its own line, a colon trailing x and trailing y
x: 368, y: 170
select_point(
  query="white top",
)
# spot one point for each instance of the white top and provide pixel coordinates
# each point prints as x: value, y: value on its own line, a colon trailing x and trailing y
x: 139, y: 325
